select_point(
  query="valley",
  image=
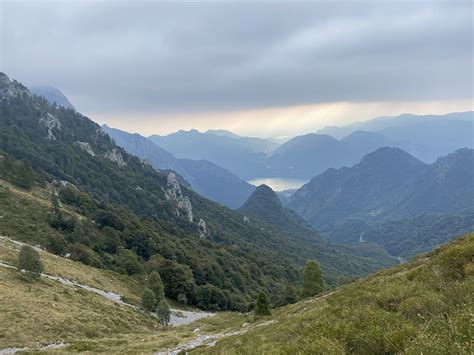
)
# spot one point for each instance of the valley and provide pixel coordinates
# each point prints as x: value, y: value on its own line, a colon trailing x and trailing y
x: 212, y: 242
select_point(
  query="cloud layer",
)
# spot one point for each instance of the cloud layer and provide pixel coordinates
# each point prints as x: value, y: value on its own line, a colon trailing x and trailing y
x: 153, y: 58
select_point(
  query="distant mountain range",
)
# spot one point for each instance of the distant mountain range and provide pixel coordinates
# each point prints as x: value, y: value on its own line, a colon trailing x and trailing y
x: 53, y: 95
x: 243, y: 156
x: 393, y: 199
x: 302, y: 157
x: 388, y: 183
x: 206, y: 178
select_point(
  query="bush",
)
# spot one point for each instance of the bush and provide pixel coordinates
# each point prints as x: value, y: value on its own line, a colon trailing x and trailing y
x: 29, y: 260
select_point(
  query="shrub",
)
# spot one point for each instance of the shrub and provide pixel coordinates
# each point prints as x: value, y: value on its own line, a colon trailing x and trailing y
x: 29, y: 260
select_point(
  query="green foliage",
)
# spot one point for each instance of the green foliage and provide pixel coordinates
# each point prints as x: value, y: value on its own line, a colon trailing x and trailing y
x: 82, y: 253
x: 311, y: 279
x: 56, y: 244
x: 128, y: 261
x: 125, y: 208
x: 17, y: 172
x: 164, y: 312
x: 29, y: 260
x: 420, y: 307
x: 262, y: 306
x: 156, y: 285
x: 148, y: 300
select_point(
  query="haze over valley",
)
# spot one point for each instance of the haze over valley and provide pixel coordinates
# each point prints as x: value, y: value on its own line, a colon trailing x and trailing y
x: 236, y: 177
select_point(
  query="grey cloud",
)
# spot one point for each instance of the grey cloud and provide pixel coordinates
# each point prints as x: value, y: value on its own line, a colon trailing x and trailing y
x: 151, y: 57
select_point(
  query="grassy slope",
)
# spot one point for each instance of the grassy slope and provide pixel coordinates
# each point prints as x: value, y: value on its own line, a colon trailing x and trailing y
x: 46, y: 311
x: 424, y: 306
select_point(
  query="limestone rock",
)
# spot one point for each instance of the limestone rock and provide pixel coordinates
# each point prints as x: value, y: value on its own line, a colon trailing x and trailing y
x: 116, y: 157
x: 174, y: 193
x: 202, y: 228
x: 50, y: 122
x: 85, y: 146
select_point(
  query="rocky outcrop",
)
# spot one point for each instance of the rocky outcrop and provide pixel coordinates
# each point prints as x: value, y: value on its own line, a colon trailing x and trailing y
x: 174, y: 193
x: 11, y: 88
x: 50, y: 122
x: 116, y: 157
x: 202, y: 228
x: 85, y: 146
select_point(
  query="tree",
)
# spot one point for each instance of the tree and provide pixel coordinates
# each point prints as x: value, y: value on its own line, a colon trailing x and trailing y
x: 156, y: 285
x: 289, y: 296
x: 262, y: 307
x: 29, y: 260
x: 311, y: 278
x: 148, y: 300
x: 164, y: 312
x: 128, y: 261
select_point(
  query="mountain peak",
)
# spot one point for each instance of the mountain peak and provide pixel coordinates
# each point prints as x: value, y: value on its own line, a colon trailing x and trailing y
x: 52, y: 95
x: 388, y: 156
x: 10, y: 88
x: 263, y: 205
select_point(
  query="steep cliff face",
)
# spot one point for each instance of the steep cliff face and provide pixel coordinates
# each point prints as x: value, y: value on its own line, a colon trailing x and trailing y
x: 175, y: 194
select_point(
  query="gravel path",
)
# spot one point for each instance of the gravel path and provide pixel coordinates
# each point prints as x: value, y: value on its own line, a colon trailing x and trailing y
x: 39, y: 348
x: 177, y: 317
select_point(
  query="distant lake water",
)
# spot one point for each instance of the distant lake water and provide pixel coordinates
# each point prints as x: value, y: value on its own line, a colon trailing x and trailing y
x: 279, y: 184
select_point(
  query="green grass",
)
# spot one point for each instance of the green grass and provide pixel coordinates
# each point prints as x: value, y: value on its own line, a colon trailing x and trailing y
x: 425, y: 306
x: 45, y: 311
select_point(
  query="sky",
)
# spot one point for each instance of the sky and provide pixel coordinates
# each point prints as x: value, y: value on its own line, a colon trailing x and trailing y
x: 270, y: 68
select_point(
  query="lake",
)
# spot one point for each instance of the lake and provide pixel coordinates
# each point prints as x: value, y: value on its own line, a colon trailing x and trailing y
x: 279, y: 184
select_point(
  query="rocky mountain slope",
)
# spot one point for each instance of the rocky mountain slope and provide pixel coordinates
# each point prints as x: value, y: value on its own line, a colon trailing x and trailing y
x: 123, y: 213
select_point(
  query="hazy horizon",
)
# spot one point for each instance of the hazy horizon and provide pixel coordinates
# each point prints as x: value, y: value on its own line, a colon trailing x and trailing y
x: 256, y: 69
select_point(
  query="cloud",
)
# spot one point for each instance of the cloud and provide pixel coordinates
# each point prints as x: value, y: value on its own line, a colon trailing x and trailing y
x: 161, y: 58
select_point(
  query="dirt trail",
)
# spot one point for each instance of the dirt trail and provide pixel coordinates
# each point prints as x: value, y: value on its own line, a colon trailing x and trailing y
x: 177, y: 318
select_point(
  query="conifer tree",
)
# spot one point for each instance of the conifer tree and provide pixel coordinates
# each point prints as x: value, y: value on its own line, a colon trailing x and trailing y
x: 311, y: 278
x: 148, y: 300
x: 156, y: 285
x: 262, y: 307
x: 164, y: 312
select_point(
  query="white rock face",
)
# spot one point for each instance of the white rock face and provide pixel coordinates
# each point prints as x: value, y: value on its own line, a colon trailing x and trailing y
x: 246, y: 219
x: 50, y: 122
x: 85, y: 146
x: 115, y: 157
x: 174, y: 193
x: 202, y: 228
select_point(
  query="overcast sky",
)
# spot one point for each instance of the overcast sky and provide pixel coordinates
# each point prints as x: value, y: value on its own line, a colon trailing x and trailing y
x: 269, y: 68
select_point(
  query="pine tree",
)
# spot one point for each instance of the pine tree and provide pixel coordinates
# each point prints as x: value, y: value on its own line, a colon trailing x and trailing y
x: 156, y: 285
x: 29, y: 260
x: 148, y: 300
x: 164, y: 312
x: 311, y: 278
x: 262, y: 307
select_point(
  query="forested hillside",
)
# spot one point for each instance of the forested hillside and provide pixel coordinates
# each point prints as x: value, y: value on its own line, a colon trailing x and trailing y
x: 123, y: 213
